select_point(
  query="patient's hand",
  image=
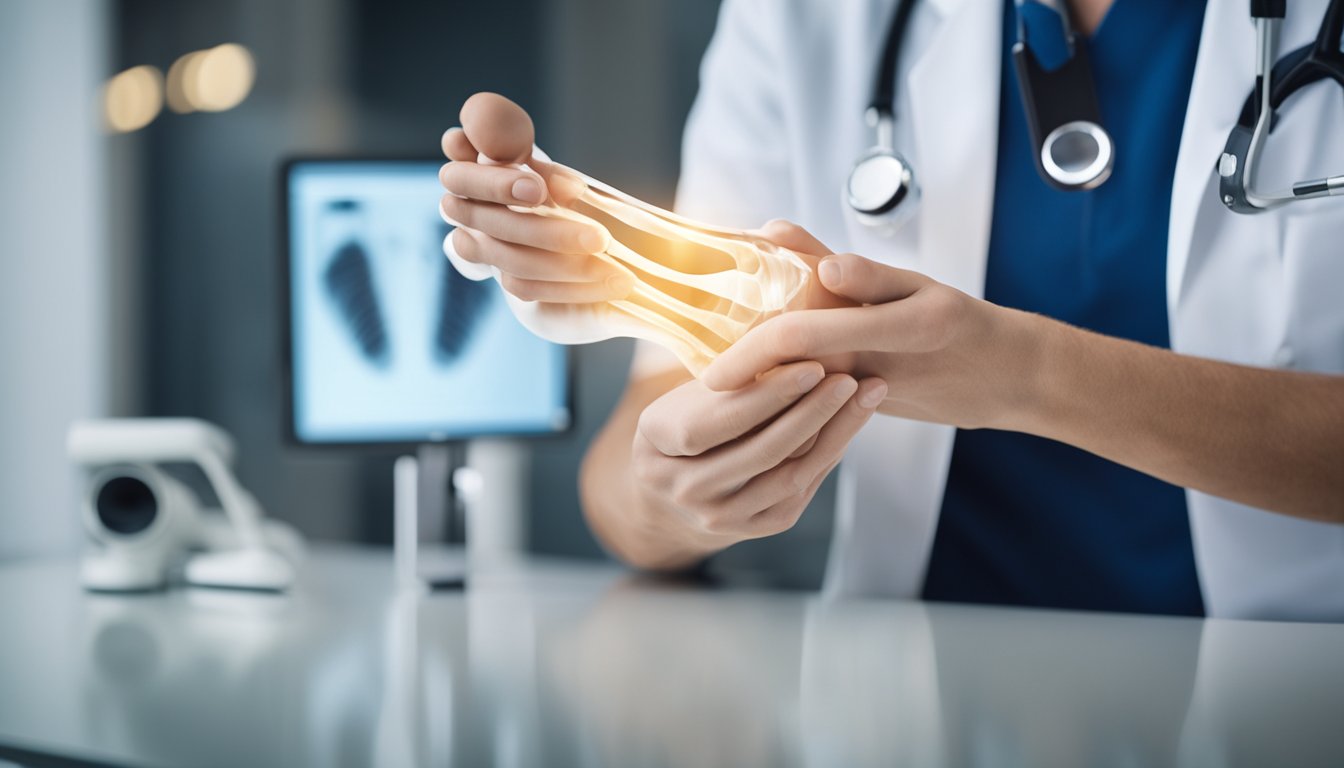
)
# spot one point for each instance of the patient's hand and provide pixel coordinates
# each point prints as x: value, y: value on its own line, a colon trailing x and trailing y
x: 539, y: 258
x: 945, y: 356
x: 800, y: 241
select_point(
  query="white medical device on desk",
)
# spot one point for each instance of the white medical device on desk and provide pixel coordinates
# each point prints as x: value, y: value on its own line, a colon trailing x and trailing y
x: 141, y: 521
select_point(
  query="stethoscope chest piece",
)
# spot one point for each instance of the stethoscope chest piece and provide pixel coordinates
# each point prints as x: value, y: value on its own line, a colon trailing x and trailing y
x: 881, y: 188
x: 1078, y: 155
x: 1073, y: 151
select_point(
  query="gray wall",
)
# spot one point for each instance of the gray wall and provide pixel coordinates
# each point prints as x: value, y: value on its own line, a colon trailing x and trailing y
x: 55, y: 276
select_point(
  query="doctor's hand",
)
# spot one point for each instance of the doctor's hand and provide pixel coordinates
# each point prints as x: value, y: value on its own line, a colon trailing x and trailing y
x: 492, y: 168
x: 711, y: 469
x: 945, y: 356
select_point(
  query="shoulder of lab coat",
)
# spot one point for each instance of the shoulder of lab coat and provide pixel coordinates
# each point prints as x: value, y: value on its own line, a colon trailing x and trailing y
x: 735, y: 154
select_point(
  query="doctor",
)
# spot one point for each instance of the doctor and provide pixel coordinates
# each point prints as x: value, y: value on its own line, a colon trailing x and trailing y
x: 1115, y: 395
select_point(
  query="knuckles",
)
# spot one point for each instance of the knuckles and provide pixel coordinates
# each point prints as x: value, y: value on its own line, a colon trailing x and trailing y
x: 788, y: 337
x: 683, y: 493
x: 682, y: 439
x: 712, y: 521
x: 798, y: 481
x: 648, y: 465
x: 787, y: 516
x: 670, y: 436
x: 943, y: 310
x: 456, y: 208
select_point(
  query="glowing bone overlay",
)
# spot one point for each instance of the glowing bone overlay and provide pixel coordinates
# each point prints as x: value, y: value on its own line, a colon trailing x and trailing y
x: 698, y: 288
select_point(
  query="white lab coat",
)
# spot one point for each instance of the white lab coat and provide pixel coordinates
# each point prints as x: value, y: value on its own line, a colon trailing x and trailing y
x: 779, y: 122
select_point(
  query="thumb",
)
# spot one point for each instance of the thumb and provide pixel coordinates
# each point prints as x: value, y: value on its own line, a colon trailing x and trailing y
x: 499, y: 128
x: 502, y: 132
x: 789, y: 235
x: 866, y: 281
x: 786, y: 234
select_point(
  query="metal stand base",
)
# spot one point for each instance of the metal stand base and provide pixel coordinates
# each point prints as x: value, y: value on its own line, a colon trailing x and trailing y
x: 422, y: 521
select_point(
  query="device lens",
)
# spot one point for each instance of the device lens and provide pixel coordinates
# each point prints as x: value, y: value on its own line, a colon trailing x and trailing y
x: 126, y: 505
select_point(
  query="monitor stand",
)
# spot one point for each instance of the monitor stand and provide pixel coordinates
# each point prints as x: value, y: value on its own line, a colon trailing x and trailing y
x: 423, y: 517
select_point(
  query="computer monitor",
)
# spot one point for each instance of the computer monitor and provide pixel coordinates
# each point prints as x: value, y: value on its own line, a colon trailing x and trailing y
x: 385, y: 342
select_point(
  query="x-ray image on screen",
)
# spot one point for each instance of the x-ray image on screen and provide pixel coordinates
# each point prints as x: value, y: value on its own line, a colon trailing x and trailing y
x: 462, y: 303
x: 349, y: 280
x: 388, y: 342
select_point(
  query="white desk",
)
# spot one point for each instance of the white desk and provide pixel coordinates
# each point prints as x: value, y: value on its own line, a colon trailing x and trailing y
x: 559, y: 664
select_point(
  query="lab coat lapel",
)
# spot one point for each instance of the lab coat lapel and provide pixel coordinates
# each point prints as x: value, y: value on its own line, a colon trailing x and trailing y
x: 954, y: 95
x: 891, y: 484
x: 1224, y: 71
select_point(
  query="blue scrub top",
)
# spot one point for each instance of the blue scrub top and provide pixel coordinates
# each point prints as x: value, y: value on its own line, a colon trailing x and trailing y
x: 1030, y: 521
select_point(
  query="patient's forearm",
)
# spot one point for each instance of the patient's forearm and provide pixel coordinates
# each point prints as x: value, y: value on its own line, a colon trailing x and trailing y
x: 1268, y: 438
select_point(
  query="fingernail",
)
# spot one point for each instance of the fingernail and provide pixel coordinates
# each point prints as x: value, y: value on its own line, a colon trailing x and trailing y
x: 528, y: 191
x: 592, y: 241
x: 845, y: 389
x: 808, y: 381
x: 829, y: 271
x: 620, y: 285
x: 874, y: 395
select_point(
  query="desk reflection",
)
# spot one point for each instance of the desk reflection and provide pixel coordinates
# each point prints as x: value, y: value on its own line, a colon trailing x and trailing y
x: 570, y: 666
x: 198, y: 678
x: 655, y: 675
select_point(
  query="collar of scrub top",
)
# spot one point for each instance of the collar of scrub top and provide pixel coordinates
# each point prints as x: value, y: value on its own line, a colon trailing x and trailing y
x: 1274, y: 83
x: 1054, y: 75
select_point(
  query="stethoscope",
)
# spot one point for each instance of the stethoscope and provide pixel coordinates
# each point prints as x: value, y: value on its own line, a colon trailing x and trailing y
x: 1073, y: 151
x: 1275, y: 81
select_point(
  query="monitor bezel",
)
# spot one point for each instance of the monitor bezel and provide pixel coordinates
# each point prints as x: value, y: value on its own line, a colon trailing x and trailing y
x: 291, y: 435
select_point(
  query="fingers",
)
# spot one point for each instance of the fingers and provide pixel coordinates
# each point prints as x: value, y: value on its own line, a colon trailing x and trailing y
x: 499, y: 128
x: 784, y: 514
x: 921, y: 323
x: 794, y: 477
x: 456, y: 145
x: 530, y: 263
x: 492, y: 183
x: 564, y: 187
x: 694, y: 421
x: 547, y: 233
x: 867, y: 281
x: 795, y: 238
x: 792, y: 336
x: 804, y: 448
x: 774, y: 444
x: 566, y: 293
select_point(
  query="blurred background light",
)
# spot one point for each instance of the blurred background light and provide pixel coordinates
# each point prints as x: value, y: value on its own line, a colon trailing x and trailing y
x: 177, y: 79
x: 221, y: 78
x: 133, y: 98
x: 211, y: 80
